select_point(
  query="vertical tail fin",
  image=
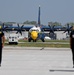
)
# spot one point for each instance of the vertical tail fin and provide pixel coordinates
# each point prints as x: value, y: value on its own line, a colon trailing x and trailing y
x: 39, y: 16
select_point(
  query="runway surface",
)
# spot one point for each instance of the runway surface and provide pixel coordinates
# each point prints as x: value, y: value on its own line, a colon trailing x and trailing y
x: 36, y: 61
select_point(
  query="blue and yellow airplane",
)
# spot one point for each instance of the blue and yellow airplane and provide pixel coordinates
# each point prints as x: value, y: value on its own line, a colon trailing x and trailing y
x: 35, y: 32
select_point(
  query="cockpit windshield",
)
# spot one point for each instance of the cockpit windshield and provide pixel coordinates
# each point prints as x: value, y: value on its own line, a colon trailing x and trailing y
x: 34, y: 29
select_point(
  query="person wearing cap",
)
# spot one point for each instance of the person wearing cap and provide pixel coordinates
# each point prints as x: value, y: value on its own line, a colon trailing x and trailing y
x: 2, y: 41
x: 72, y: 43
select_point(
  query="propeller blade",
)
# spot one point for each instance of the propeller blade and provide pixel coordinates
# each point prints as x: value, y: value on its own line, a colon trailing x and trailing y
x: 71, y: 27
x: 21, y: 33
x: 68, y: 25
x: 16, y: 32
x: 18, y: 25
x: 68, y: 31
x: 22, y: 26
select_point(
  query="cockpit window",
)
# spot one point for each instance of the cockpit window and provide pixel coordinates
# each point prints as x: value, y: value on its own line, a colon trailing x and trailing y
x: 35, y: 30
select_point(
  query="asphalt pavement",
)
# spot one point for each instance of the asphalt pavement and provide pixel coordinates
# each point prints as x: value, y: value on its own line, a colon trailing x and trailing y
x: 36, y: 61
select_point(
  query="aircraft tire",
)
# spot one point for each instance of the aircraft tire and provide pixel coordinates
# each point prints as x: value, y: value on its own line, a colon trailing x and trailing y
x: 29, y: 40
x: 43, y: 40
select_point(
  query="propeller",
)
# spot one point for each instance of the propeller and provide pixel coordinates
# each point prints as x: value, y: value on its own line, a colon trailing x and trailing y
x: 68, y: 29
x: 3, y: 27
x: 51, y: 28
x: 20, y: 29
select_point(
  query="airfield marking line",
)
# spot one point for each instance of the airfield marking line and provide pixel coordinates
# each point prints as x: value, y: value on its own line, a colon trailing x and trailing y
x: 35, y: 48
x: 53, y: 70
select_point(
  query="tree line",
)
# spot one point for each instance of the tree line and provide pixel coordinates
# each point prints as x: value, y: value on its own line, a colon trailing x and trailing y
x: 49, y: 23
x: 35, y: 23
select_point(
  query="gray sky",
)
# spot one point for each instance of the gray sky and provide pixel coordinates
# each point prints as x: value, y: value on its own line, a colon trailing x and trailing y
x: 51, y: 10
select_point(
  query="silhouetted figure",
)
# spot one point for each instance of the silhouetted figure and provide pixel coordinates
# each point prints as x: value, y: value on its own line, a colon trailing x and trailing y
x: 2, y: 41
x: 72, y: 43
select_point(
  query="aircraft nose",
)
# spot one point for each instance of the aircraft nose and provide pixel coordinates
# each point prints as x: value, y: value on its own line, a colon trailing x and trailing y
x: 34, y: 35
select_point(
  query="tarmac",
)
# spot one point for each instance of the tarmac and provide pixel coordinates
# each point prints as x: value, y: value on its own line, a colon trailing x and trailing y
x: 36, y: 61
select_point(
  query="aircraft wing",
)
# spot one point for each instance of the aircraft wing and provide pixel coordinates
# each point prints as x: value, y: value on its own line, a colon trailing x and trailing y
x: 15, y: 28
x: 56, y: 28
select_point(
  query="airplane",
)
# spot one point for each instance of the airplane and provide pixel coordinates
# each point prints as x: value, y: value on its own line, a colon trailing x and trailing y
x: 36, y: 32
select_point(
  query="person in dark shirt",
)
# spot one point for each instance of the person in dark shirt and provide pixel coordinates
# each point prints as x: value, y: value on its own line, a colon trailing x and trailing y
x: 72, y: 43
x: 2, y: 41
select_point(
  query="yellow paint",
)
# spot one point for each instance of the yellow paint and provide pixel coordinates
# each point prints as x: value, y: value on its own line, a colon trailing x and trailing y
x: 34, y: 35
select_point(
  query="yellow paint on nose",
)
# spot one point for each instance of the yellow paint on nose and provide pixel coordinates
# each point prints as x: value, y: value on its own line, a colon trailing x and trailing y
x: 34, y: 35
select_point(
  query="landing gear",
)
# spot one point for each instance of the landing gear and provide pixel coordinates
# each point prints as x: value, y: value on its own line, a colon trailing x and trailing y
x: 40, y: 36
x: 43, y: 40
x: 29, y: 39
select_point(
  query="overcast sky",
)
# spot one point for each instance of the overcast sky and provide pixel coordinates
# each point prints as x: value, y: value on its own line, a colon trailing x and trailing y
x: 51, y: 10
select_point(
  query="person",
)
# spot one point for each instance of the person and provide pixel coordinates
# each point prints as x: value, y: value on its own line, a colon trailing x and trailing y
x: 72, y: 43
x: 2, y: 41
